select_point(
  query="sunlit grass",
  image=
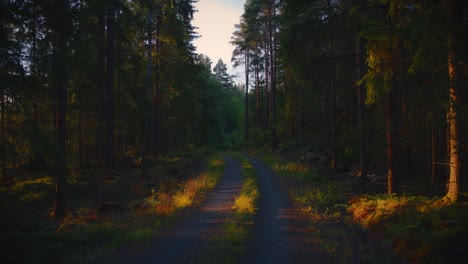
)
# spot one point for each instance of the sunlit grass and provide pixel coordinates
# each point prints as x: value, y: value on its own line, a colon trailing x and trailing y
x: 230, y: 244
x: 418, y: 229
x: 323, y: 203
x: 216, y: 162
x: 236, y: 231
x: 370, y: 210
x: 32, y: 189
x: 168, y: 201
x: 183, y: 199
x: 310, y: 192
x: 245, y: 202
x: 291, y: 169
x: 421, y: 229
x: 149, y: 198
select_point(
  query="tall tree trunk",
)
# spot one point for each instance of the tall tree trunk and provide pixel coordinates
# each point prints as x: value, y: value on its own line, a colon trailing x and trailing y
x: 110, y: 86
x: 272, y: 39
x: 79, y: 122
x: 3, y: 147
x: 333, y: 99
x: 433, y: 151
x: 101, y: 109
x: 392, y: 176
x: 157, y: 83
x: 60, y: 66
x: 257, y: 96
x: 246, y: 131
x: 360, y: 104
x: 267, y: 88
x: 80, y: 102
x: 149, y: 83
x: 301, y: 110
x: 455, y: 19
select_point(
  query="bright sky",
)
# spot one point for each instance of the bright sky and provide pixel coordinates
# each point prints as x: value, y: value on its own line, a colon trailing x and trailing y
x: 215, y: 20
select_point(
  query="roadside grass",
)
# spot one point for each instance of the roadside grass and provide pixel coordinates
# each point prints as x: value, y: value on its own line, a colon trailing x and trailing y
x: 324, y: 203
x: 407, y: 228
x: 421, y: 229
x: 229, y: 245
x: 310, y: 190
x: 141, y: 203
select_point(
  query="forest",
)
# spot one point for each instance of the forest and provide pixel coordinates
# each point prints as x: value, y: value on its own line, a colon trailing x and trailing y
x: 105, y: 105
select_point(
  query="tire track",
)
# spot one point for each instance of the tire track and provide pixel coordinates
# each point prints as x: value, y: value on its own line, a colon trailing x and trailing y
x: 181, y: 243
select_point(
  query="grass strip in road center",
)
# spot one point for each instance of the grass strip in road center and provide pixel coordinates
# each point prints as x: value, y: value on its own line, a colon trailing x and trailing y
x: 229, y: 244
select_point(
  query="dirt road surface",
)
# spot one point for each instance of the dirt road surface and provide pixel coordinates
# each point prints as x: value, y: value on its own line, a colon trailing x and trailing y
x: 182, y: 241
x: 280, y: 234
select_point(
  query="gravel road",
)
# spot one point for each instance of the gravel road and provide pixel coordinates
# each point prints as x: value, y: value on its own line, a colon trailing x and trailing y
x: 182, y: 241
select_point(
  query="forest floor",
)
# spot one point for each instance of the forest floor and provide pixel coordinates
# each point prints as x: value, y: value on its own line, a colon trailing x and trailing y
x: 309, y: 234
x: 279, y: 232
x: 105, y: 213
x: 259, y: 209
x: 181, y: 242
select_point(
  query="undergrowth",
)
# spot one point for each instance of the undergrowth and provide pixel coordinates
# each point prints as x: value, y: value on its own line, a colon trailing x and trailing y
x: 144, y: 200
x: 418, y: 229
x: 421, y: 229
x: 323, y: 203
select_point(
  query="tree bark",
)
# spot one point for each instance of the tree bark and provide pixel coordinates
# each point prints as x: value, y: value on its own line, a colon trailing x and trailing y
x: 257, y: 96
x: 433, y: 151
x: 455, y: 19
x: 157, y: 83
x: 3, y: 147
x: 333, y: 99
x: 267, y: 87
x: 101, y: 109
x: 246, y: 131
x: 110, y: 86
x: 392, y: 177
x: 360, y: 104
x: 149, y: 83
x: 60, y: 66
x: 272, y: 39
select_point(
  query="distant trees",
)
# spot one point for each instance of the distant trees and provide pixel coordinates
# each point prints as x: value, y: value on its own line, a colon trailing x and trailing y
x: 255, y: 41
x: 364, y: 80
x: 93, y: 82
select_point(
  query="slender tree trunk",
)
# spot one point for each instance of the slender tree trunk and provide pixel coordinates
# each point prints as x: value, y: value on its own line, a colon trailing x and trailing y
x: 149, y: 83
x: 392, y: 183
x: 157, y: 83
x: 272, y: 38
x: 80, y: 128
x: 110, y: 86
x: 86, y: 139
x: 79, y: 95
x: 257, y: 96
x: 333, y: 98
x: 455, y: 18
x: 3, y: 147
x: 267, y: 88
x: 101, y: 109
x: 360, y: 104
x: 246, y: 131
x: 433, y: 150
x: 60, y: 66
x: 301, y: 110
